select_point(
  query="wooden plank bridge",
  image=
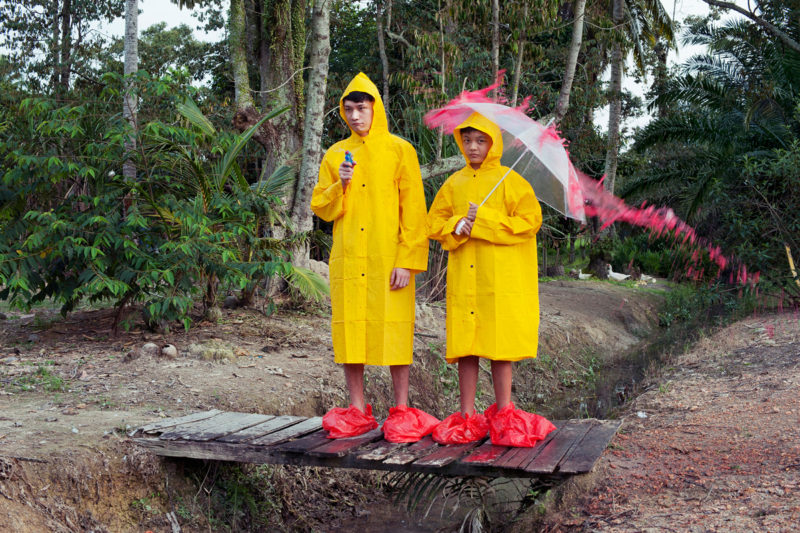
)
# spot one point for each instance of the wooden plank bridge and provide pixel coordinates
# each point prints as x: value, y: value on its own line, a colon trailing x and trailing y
x: 254, y: 438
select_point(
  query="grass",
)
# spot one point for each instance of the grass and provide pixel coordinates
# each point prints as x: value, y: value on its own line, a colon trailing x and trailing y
x: 42, y: 378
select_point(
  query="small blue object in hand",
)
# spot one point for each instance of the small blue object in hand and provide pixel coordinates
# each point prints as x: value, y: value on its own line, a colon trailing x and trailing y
x: 348, y: 158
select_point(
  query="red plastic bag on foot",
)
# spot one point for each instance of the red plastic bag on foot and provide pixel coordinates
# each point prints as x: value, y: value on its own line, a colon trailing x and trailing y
x: 340, y: 422
x: 510, y: 426
x: 457, y: 429
x: 407, y: 424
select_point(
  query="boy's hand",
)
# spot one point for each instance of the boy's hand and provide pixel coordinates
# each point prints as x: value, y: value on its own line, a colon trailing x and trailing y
x: 399, y: 278
x: 473, y: 211
x: 464, y: 227
x: 345, y: 174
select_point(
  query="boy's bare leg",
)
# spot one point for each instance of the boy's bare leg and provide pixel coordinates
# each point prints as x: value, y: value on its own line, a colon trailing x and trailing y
x: 501, y: 379
x: 354, y: 377
x: 468, y: 383
x: 400, y: 384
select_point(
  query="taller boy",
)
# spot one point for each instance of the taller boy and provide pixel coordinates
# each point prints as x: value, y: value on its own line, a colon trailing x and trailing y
x: 378, y: 211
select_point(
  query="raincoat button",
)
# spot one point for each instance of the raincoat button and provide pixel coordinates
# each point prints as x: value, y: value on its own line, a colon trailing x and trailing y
x: 472, y: 312
x: 363, y: 184
x: 362, y: 274
x: 362, y: 229
x: 472, y: 266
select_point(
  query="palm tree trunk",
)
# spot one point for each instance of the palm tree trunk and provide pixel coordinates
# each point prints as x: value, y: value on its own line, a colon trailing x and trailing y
x: 518, y: 69
x: 382, y: 52
x: 66, y: 46
x: 615, y: 102
x: 496, y: 38
x: 315, y: 112
x: 130, y: 101
x: 572, y: 60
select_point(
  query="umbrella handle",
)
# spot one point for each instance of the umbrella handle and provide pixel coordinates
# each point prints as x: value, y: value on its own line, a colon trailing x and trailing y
x: 459, y: 227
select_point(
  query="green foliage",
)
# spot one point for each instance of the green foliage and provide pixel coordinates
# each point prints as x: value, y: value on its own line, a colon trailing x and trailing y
x: 692, y: 308
x: 74, y: 229
x: 725, y: 154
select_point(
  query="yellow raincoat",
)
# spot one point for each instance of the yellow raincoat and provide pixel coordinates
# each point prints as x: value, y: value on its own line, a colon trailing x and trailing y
x: 378, y: 225
x: 492, y: 279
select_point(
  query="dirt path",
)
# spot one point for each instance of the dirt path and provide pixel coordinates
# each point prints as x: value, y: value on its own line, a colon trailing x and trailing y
x: 715, y: 446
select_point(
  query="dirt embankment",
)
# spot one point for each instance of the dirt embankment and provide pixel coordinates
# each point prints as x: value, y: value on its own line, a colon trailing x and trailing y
x: 70, y: 390
x: 714, y: 445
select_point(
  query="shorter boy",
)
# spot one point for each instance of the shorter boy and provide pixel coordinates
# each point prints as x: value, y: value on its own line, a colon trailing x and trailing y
x: 492, y: 285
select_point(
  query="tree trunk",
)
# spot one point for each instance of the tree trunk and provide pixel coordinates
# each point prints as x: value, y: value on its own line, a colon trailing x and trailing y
x: 518, y: 71
x: 66, y: 46
x: 572, y: 60
x: 238, y: 47
x: 55, y: 48
x: 382, y: 52
x: 496, y: 39
x: 315, y: 112
x: 130, y: 100
x: 615, y: 102
x: 285, y: 29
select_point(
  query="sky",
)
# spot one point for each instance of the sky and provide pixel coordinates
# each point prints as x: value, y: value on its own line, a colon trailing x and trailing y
x: 154, y: 11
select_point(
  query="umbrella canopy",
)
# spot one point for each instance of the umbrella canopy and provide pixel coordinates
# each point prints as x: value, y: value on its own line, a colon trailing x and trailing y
x: 534, y: 151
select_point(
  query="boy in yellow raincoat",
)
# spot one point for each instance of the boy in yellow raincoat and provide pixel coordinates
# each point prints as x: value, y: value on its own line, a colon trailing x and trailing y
x: 377, y: 206
x: 492, y: 285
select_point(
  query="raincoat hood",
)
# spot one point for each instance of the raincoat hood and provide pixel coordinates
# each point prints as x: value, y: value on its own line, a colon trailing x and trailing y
x: 362, y: 83
x: 481, y: 123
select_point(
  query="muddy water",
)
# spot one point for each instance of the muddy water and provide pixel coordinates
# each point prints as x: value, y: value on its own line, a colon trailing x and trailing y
x: 612, y: 386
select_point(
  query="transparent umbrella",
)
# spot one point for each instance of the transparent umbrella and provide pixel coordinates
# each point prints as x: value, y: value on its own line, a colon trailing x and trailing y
x: 534, y: 151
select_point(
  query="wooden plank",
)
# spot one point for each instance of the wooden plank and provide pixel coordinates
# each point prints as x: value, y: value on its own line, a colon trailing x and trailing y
x: 410, y: 453
x: 267, y: 427
x: 341, y: 447
x: 181, y: 429
x: 249, y: 433
x: 380, y: 450
x: 585, y: 454
x: 303, y: 444
x: 563, y: 440
x: 485, y: 454
x: 156, y: 427
x: 287, y: 432
x: 445, y: 455
x: 215, y: 427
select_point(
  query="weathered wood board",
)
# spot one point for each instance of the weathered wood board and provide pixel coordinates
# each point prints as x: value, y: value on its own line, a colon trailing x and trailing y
x: 573, y: 448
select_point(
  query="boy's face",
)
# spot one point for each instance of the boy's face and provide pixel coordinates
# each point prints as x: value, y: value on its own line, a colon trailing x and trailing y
x: 359, y: 116
x: 476, y: 145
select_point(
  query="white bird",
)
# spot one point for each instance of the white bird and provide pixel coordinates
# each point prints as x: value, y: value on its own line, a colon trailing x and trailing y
x: 616, y: 276
x: 648, y: 279
x: 581, y: 275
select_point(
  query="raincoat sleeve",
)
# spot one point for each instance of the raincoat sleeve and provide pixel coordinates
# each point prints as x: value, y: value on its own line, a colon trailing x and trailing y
x: 442, y: 220
x: 412, y: 250
x: 328, y: 198
x: 520, y: 221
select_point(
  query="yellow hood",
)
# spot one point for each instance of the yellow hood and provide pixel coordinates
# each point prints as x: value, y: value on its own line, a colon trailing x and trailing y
x: 481, y: 123
x: 362, y: 83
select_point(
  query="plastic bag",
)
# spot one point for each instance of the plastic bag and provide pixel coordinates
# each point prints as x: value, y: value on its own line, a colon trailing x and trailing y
x: 407, y: 424
x: 340, y: 422
x: 514, y: 427
x: 456, y: 429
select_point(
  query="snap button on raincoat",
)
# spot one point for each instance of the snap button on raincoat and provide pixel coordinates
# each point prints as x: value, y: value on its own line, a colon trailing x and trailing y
x: 492, y: 278
x: 378, y: 225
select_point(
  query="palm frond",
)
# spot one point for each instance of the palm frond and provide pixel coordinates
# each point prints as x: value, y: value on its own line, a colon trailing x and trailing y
x: 275, y: 183
x: 192, y: 113
x: 224, y: 165
x: 309, y: 284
